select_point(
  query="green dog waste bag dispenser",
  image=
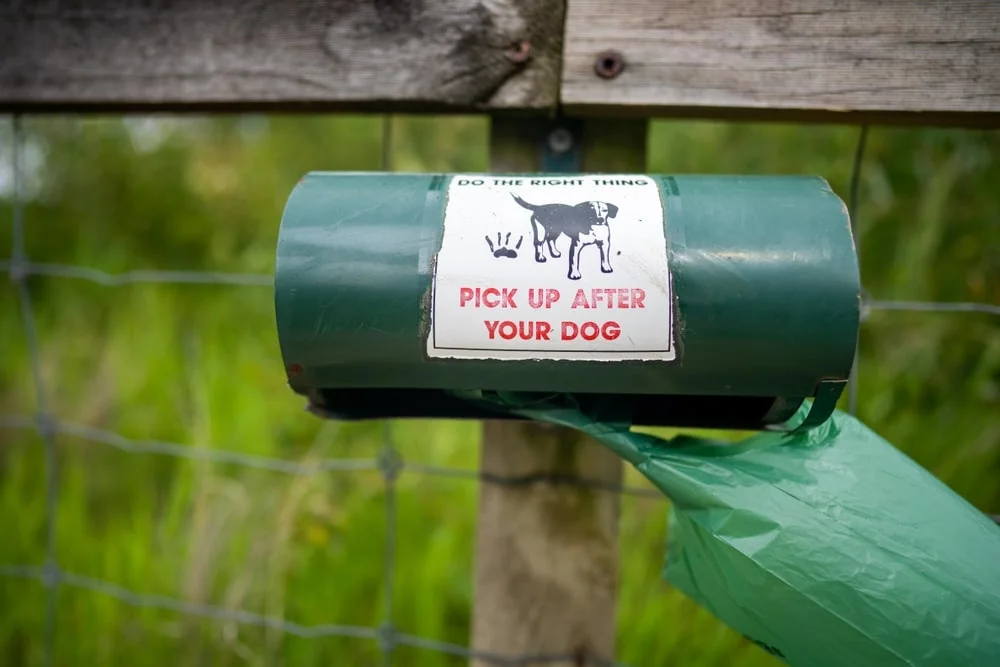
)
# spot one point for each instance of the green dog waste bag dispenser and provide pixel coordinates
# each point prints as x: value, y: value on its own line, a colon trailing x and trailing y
x: 601, y: 301
x: 701, y: 301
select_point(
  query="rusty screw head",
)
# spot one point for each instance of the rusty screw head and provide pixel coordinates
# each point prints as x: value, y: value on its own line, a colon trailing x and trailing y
x: 609, y: 64
x: 519, y: 52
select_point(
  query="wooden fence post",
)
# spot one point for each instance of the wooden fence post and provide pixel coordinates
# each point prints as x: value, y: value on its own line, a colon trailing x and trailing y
x: 547, y: 552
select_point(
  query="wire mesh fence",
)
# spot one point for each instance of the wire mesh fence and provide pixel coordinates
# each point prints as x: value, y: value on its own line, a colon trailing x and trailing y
x: 389, y: 462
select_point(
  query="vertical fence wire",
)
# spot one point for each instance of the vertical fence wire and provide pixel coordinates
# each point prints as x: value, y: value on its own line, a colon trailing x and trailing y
x: 389, y: 464
x: 852, y: 209
x: 43, y: 420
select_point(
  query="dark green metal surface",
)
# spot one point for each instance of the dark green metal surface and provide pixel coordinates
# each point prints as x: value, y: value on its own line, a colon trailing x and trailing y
x: 766, y: 294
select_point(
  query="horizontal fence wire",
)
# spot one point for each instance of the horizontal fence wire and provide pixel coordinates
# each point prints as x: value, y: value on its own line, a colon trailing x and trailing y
x: 389, y: 461
x: 167, y: 277
x: 51, y: 576
x: 291, y: 467
x: 20, y: 269
x: 938, y: 307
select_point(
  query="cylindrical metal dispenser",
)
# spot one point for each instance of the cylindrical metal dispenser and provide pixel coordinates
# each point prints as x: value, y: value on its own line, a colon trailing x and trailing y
x: 711, y: 301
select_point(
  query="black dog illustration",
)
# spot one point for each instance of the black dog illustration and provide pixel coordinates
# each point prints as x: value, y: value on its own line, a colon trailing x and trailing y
x: 585, y: 224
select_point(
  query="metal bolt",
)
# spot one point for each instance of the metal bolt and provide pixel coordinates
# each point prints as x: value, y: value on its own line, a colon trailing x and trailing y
x: 519, y: 52
x: 560, y: 140
x: 609, y: 64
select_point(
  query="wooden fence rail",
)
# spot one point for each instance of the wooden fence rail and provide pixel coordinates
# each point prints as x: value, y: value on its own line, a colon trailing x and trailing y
x: 893, y: 61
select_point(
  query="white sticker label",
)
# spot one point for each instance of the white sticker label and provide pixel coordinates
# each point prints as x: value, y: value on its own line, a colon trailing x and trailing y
x: 552, y: 267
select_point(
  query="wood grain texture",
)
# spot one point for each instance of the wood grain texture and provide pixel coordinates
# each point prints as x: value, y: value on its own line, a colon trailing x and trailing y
x: 936, y: 61
x: 547, y: 553
x: 385, y: 55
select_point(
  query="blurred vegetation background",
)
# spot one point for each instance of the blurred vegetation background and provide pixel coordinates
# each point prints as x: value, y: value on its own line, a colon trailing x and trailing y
x: 199, y: 365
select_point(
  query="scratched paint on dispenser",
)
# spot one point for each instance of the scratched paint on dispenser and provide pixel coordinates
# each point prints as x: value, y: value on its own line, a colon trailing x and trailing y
x: 570, y: 268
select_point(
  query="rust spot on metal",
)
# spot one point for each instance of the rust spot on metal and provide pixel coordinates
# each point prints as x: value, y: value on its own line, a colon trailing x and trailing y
x: 609, y: 64
x: 519, y: 52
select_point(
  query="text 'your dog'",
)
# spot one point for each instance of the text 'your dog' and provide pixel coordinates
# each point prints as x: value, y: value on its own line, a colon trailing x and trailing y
x: 539, y: 298
x: 540, y: 330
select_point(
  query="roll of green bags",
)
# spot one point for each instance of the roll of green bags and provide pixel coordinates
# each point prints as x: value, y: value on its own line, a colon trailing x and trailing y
x: 826, y: 547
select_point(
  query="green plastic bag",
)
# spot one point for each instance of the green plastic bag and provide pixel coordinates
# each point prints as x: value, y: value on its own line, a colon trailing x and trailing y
x: 827, y: 547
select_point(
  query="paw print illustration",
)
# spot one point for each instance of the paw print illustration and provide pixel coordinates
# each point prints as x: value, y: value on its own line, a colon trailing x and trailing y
x: 502, y: 247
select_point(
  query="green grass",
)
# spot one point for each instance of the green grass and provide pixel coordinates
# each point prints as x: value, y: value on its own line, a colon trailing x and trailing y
x: 200, y: 366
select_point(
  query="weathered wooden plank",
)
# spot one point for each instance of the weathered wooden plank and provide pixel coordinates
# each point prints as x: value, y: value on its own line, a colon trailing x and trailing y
x: 935, y: 61
x: 547, y: 552
x: 384, y: 55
